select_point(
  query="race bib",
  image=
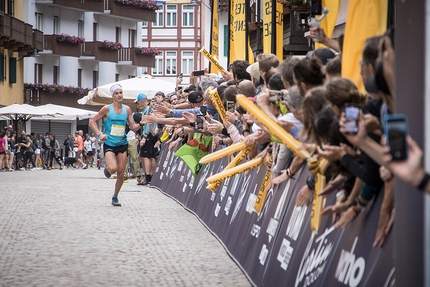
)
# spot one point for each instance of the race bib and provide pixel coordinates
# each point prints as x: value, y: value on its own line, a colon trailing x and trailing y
x: 117, y: 131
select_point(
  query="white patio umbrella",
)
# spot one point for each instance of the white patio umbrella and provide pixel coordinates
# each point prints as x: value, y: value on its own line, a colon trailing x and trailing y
x: 131, y: 88
x: 25, y: 112
x: 67, y: 113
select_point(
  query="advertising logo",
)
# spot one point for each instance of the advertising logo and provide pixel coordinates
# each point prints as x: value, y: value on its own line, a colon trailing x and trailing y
x: 350, y: 270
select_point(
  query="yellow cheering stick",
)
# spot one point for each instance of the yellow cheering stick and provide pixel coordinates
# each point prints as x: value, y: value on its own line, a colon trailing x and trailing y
x: 273, y: 127
x: 319, y: 201
x: 222, y: 152
x: 261, y: 197
x: 235, y: 162
x: 216, y: 100
x: 212, y: 59
x: 218, y: 178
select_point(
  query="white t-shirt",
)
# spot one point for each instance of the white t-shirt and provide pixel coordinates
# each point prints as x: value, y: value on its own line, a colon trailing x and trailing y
x: 88, y: 145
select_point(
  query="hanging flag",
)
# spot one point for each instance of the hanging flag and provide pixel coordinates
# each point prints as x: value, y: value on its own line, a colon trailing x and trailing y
x: 365, y: 18
x: 231, y: 55
x: 279, y: 30
x: 240, y: 41
x: 194, y: 150
x: 267, y: 26
x: 214, y: 47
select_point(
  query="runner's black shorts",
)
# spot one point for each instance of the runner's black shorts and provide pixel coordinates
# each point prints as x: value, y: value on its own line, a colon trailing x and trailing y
x: 115, y: 149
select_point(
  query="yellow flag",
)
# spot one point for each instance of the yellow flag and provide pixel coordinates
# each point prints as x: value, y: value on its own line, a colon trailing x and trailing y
x: 279, y: 30
x: 267, y: 26
x: 239, y: 30
x: 214, y: 48
x: 365, y: 18
x: 329, y: 21
x: 231, y: 54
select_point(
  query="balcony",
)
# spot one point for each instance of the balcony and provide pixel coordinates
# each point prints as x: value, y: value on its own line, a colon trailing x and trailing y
x: 61, y: 48
x: 94, y: 49
x: 15, y: 34
x: 137, y: 59
x: 38, y: 40
x: 112, y: 7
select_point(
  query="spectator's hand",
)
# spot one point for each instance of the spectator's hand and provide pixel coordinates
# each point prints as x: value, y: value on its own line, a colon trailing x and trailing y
x: 215, y: 127
x: 263, y: 98
x: 386, y: 220
x: 230, y: 117
x: 333, y: 184
x: 346, y: 218
x: 191, y: 117
x: 227, y: 76
x: 161, y: 108
x: 336, y: 209
x: 280, y: 178
x: 285, y: 125
x: 304, y: 196
x: 331, y: 152
x: 360, y: 136
x: 182, y: 121
x: 388, y: 59
x: 254, y: 138
x: 317, y: 31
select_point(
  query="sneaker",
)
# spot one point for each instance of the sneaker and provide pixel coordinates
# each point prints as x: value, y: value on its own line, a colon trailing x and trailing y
x: 84, y: 166
x: 107, y: 174
x: 147, y: 183
x: 125, y: 179
x: 115, y: 201
x: 142, y: 182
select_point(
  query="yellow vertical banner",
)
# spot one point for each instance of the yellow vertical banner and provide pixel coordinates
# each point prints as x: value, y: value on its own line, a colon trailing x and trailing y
x: 239, y: 30
x: 330, y: 19
x: 358, y: 30
x: 231, y: 54
x: 214, y: 48
x: 279, y: 21
x: 267, y: 26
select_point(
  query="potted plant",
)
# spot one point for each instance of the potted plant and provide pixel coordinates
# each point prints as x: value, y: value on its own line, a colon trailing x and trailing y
x: 148, y: 51
x: 145, y: 4
x: 106, y: 44
x: 63, y: 37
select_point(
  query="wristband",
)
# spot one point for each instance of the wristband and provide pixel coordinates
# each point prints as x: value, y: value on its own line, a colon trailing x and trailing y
x: 221, y: 142
x: 99, y: 135
x: 424, y: 182
x: 310, y: 181
x: 340, y: 193
x: 140, y: 124
x: 245, y: 131
x: 355, y: 209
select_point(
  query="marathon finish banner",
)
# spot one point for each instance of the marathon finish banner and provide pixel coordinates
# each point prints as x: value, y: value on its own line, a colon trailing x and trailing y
x: 276, y: 247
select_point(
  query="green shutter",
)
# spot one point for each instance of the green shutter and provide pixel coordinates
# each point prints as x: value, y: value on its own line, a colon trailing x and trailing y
x: 2, y: 75
x: 226, y: 40
x: 12, y: 70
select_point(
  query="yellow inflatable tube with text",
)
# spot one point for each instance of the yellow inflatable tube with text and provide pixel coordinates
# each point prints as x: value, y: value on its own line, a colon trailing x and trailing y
x: 216, y: 101
x: 220, y: 177
x: 222, y: 152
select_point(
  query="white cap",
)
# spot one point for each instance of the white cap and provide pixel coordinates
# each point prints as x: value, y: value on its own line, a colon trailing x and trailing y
x: 254, y: 70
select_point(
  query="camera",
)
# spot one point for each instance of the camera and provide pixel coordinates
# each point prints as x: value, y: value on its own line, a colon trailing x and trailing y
x: 230, y: 106
x: 351, y: 118
x: 199, y: 73
x: 396, y: 131
x: 203, y: 110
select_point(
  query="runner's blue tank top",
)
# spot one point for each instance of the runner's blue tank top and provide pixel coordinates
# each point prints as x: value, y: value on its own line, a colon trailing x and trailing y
x: 114, y: 127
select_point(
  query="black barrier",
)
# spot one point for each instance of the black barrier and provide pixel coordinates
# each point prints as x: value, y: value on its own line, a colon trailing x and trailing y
x: 276, y: 247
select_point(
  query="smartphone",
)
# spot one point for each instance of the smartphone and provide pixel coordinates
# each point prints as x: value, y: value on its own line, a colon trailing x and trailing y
x: 275, y: 96
x: 351, y: 118
x: 180, y: 75
x: 396, y: 131
x: 199, y: 121
x: 199, y: 73
x: 230, y: 106
x: 203, y: 110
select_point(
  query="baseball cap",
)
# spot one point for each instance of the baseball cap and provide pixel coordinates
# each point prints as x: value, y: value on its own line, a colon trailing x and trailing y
x: 324, y: 54
x: 195, y: 97
x: 141, y: 97
x: 254, y: 70
x: 190, y: 88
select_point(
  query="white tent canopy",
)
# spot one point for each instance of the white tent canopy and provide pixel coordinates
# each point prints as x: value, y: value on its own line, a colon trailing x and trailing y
x: 131, y: 88
x: 67, y: 113
x: 25, y: 112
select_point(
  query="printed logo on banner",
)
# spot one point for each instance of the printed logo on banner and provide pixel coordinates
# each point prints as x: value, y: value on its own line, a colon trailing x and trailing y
x: 280, y: 208
x: 350, y: 270
x: 213, y: 196
x: 181, y: 163
x: 234, y: 185
x: 263, y: 254
x: 181, y: 179
x: 217, y: 209
x: 173, y: 168
x: 228, y: 205
x: 296, y: 221
x: 285, y: 253
x: 251, y: 200
x: 271, y: 228
x: 224, y: 189
x: 202, y: 179
x: 240, y: 198
x: 255, y: 231
x: 313, y: 262
x: 191, y: 178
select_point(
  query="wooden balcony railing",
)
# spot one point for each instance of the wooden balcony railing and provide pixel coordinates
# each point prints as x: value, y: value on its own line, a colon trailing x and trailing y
x: 4, y: 26
x: 87, y: 5
x: 131, y: 54
x: 15, y: 34
x: 61, y: 48
x: 94, y: 49
x: 38, y: 40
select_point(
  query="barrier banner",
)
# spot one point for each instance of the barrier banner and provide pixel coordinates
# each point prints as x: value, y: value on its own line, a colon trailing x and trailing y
x: 277, y: 246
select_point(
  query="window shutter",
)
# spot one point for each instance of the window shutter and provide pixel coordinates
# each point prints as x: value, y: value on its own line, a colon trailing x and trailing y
x: 12, y: 70
x: 226, y: 40
x: 2, y: 74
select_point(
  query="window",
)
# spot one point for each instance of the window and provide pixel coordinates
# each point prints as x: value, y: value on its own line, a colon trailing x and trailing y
x: 187, y: 62
x: 95, y: 79
x: 56, y: 25
x: 187, y: 16
x: 159, y: 17
x: 12, y: 70
x: 38, y: 69
x: 158, y: 69
x: 39, y: 21
x: 80, y: 28
x: 2, y: 67
x: 95, y: 29
x: 79, y: 77
x: 171, y: 63
x: 56, y: 73
x: 171, y: 15
x: 144, y: 24
x: 131, y: 38
x: 118, y: 34
x: 116, y: 77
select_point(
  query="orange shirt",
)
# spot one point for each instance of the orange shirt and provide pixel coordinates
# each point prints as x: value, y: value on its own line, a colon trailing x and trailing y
x: 80, y: 142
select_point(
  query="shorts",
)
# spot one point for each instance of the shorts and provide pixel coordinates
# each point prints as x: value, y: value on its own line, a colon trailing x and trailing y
x: 148, y: 150
x: 115, y: 149
x: 78, y: 154
x: 90, y: 153
x: 37, y: 151
x: 2, y: 152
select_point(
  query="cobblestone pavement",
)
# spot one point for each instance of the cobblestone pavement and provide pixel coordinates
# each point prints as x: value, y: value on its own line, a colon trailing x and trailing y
x: 58, y: 228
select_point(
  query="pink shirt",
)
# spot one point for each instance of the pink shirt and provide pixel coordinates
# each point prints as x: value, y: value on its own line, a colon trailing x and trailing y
x: 2, y: 143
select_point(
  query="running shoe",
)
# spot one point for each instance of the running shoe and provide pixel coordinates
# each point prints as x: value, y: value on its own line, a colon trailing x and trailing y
x: 115, y: 201
x: 107, y: 174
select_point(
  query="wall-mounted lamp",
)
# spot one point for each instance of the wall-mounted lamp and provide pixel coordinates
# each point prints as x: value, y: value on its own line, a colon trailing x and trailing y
x: 34, y: 54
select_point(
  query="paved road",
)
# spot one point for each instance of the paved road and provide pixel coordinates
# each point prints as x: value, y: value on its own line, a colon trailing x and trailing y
x: 58, y: 228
